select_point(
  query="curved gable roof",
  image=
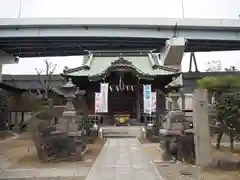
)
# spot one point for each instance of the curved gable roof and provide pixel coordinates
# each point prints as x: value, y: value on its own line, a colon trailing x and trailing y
x: 97, y: 65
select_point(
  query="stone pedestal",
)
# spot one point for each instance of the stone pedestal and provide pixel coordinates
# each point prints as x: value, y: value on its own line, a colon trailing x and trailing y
x: 202, y: 138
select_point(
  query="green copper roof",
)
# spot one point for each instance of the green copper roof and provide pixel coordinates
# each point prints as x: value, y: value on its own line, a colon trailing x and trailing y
x: 97, y: 65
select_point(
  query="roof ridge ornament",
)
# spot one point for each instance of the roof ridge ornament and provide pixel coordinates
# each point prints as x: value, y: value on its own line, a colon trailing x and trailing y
x: 122, y: 61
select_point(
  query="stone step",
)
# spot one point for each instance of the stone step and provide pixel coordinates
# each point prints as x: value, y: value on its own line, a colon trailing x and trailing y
x: 118, y: 134
x: 122, y: 131
x: 112, y: 136
x: 115, y: 132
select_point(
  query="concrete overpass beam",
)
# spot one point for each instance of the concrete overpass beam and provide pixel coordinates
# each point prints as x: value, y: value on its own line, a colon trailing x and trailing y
x: 6, y: 58
x: 173, y: 51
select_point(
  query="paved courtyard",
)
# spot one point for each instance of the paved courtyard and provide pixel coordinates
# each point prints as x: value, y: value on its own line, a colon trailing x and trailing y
x: 123, y: 159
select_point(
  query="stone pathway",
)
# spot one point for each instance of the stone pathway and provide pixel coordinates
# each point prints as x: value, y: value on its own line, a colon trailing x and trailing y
x: 123, y: 159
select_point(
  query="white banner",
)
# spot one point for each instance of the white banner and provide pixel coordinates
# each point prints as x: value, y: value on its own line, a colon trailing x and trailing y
x: 104, y: 97
x: 97, y: 102
x: 154, y: 101
x: 147, y: 99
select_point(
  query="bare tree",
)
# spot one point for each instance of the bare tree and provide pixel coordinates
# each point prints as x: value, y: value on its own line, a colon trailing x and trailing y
x: 231, y: 69
x: 214, y: 66
x: 46, y: 79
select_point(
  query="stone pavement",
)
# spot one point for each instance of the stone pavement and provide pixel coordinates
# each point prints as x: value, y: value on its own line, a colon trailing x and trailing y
x: 48, y: 173
x: 123, y: 159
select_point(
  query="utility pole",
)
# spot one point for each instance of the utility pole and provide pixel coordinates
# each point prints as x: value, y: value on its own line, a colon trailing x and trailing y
x: 20, y: 9
x: 182, y: 3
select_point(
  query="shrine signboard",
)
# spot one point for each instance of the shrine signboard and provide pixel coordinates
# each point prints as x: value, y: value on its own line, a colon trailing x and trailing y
x: 154, y: 101
x: 104, y: 97
x: 97, y: 102
x: 147, y: 99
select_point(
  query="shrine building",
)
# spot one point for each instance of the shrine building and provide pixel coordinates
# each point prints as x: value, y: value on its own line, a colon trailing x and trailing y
x: 126, y: 74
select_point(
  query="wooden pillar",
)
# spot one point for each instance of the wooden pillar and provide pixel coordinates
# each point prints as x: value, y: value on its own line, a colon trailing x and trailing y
x: 10, y: 117
x: 22, y: 118
x: 16, y: 118
x: 85, y: 107
x: 138, y: 102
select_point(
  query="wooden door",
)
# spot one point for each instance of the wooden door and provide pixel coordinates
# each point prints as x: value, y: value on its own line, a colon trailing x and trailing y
x: 122, y: 102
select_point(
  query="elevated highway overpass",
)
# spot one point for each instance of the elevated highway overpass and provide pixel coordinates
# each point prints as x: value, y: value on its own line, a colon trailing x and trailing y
x: 73, y: 36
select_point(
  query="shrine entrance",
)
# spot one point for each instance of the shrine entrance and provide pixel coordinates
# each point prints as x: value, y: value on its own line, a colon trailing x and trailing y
x: 122, y: 95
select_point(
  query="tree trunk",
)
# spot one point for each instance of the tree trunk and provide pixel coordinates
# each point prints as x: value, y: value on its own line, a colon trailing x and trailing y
x: 46, y: 94
x: 219, y: 137
x: 231, y: 138
x: 210, y: 95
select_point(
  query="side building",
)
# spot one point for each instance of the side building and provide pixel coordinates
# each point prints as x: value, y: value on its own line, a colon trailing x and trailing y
x: 21, y: 92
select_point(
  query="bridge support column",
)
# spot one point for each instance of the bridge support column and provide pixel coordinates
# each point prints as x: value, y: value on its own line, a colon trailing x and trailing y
x: 173, y: 51
x: 193, y: 60
x: 6, y: 58
x: 1, y: 72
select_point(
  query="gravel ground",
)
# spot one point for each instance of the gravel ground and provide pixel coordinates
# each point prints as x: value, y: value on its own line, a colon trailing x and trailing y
x: 56, y: 178
x: 171, y: 170
x: 20, y: 155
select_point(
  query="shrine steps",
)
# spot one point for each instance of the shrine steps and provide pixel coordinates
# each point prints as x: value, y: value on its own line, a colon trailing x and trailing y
x: 118, y: 136
x: 121, y: 132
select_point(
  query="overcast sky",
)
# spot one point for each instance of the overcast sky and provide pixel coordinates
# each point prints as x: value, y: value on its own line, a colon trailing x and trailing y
x: 120, y: 8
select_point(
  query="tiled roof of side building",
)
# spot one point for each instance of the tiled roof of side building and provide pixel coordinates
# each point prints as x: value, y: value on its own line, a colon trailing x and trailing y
x: 28, y: 82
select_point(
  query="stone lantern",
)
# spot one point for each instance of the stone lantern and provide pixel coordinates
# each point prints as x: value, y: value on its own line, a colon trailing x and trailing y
x: 174, y: 94
x: 69, y: 90
x: 67, y: 122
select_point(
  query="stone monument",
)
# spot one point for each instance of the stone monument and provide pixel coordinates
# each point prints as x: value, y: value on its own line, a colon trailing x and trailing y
x: 202, y: 138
